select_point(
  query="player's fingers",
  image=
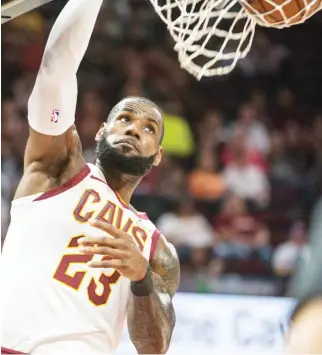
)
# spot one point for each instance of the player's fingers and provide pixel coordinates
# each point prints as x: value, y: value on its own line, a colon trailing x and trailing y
x: 108, y: 228
x: 116, y: 264
x: 115, y: 253
x: 86, y: 241
x: 101, y: 242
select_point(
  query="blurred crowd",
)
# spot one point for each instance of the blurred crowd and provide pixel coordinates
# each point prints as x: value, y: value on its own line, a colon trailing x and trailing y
x: 243, y: 158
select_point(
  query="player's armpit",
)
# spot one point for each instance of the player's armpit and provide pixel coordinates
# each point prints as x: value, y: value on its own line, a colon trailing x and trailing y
x: 50, y: 161
x: 151, y: 318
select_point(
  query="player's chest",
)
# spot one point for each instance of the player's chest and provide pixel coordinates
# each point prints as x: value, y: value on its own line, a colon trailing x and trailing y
x: 92, y: 202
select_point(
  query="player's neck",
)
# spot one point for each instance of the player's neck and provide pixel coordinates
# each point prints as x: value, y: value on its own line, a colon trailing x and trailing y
x: 121, y: 183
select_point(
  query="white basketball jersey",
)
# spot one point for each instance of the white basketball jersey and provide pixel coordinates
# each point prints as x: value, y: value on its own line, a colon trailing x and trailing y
x: 52, y: 302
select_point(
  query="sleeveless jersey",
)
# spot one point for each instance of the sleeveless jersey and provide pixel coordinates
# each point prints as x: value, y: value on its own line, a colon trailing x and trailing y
x: 53, y: 303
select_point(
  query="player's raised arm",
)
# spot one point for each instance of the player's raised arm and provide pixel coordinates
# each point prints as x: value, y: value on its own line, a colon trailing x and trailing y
x: 53, y: 139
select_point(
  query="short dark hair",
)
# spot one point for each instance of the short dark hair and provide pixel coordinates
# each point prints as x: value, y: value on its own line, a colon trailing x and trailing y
x: 115, y: 109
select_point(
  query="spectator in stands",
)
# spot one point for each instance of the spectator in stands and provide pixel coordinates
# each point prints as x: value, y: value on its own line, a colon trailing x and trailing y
x: 284, y: 108
x: 189, y: 231
x: 204, y: 182
x: 10, y: 169
x: 246, y: 180
x: 281, y: 168
x: 170, y: 179
x: 240, y: 235
x: 299, y: 147
x: 14, y: 133
x: 289, y: 253
x: 258, y: 101
x: 210, y: 130
x: 239, y: 142
x: 257, y: 136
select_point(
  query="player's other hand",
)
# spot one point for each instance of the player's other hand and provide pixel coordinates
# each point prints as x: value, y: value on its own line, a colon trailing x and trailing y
x: 121, y: 253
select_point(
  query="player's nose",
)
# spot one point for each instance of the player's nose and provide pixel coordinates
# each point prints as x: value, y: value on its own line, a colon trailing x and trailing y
x: 133, y: 131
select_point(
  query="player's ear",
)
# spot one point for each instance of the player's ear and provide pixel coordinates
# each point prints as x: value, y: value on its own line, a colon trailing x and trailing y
x: 100, y: 132
x: 158, y: 157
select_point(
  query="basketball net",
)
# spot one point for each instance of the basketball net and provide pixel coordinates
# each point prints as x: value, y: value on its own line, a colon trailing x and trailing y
x: 212, y: 35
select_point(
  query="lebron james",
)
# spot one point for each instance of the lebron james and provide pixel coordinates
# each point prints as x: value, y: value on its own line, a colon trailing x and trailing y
x: 78, y: 259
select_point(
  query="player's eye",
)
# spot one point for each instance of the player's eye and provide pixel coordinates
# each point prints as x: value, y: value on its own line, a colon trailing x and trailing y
x: 124, y: 119
x: 150, y: 129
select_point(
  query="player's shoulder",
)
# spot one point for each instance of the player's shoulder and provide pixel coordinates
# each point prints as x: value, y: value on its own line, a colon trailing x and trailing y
x: 163, y: 249
x: 165, y: 262
x: 164, y: 245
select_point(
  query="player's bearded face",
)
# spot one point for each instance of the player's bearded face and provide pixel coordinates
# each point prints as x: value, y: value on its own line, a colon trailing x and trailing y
x: 110, y: 158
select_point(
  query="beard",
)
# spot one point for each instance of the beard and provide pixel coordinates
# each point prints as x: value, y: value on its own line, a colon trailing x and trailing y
x: 111, y: 159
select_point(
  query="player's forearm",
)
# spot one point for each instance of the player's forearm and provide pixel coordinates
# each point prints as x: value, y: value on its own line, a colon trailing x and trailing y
x: 52, y: 104
x: 151, y: 319
x: 70, y: 36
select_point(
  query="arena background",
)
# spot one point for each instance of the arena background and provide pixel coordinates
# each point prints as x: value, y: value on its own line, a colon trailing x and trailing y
x: 243, y: 160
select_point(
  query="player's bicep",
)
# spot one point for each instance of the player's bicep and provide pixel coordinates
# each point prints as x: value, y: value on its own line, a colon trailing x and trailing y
x: 165, y: 263
x: 50, y: 151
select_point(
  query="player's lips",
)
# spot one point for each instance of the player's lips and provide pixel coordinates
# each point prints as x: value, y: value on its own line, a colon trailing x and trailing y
x: 129, y: 143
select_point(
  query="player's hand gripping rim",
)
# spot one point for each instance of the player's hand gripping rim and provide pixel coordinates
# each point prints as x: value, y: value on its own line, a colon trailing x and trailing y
x: 122, y: 253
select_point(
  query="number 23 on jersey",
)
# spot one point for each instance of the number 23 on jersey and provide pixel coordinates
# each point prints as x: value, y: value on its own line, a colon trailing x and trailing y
x: 75, y: 280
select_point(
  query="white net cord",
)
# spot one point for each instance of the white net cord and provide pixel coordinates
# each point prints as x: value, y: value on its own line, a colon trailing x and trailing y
x: 212, y: 35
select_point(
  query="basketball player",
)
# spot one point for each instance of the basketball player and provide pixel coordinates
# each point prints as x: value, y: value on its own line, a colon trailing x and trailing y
x: 78, y: 259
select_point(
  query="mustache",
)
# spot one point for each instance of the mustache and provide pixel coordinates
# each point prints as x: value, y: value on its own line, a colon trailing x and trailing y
x: 132, y: 142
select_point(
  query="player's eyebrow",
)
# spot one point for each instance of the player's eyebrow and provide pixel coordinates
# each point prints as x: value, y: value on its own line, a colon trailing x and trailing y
x: 150, y: 119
